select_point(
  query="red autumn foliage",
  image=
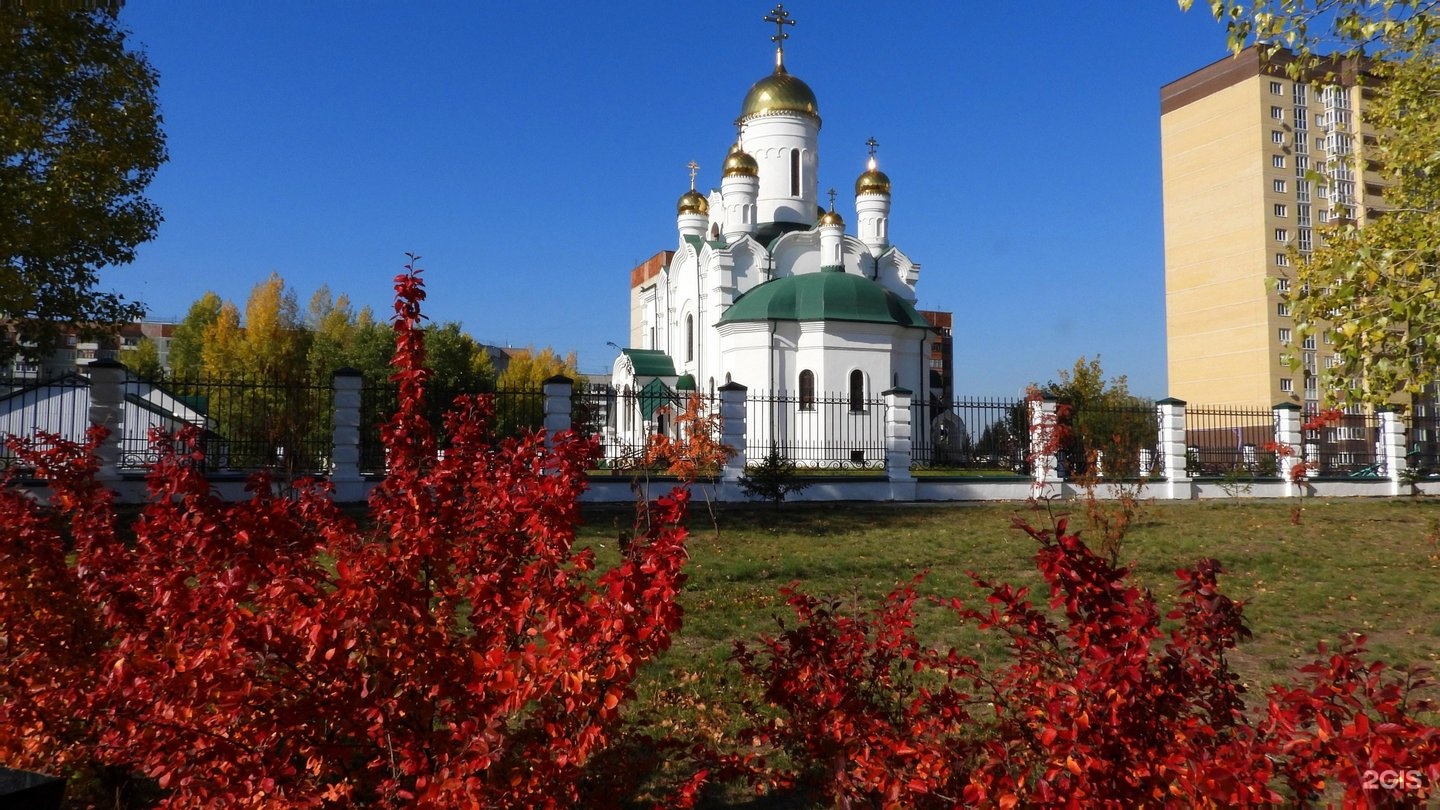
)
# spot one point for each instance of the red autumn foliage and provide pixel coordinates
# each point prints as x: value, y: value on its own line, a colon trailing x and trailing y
x: 1100, y: 703
x: 457, y: 651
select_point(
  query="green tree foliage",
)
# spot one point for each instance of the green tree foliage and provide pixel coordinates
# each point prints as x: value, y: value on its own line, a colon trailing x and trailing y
x: 1102, y: 417
x: 457, y: 362
x: 1373, y: 285
x: 187, y: 345
x: 80, y: 140
x: 144, y: 360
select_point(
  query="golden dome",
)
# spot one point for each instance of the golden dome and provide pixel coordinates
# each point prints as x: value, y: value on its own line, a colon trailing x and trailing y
x: 872, y: 181
x: 693, y: 202
x: 779, y: 92
x: 740, y: 162
x: 831, y: 218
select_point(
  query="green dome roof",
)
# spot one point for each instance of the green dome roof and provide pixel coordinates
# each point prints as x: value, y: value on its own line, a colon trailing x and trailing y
x: 829, y: 295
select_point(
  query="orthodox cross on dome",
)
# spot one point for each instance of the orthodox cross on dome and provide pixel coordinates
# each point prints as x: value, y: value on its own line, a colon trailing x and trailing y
x: 781, y: 18
x: 693, y: 167
x: 831, y: 192
x: 872, y: 143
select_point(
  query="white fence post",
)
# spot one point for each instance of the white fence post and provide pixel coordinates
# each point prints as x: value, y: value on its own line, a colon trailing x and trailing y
x: 1174, y: 453
x: 1289, y: 441
x: 558, y: 392
x: 898, y: 447
x: 107, y: 409
x: 1392, y: 447
x: 1044, y: 466
x: 733, y: 430
x: 345, y: 385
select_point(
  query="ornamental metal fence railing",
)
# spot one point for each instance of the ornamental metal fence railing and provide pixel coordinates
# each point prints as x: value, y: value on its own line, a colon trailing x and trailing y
x: 1344, y: 445
x: 41, y: 402
x: 1110, y: 441
x: 985, y: 436
x: 245, y: 423
x: 513, y: 412
x: 333, y: 427
x: 1226, y: 441
x: 825, y: 431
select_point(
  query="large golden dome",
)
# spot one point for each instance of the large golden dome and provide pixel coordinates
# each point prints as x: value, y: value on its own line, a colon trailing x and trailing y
x: 693, y: 202
x: 779, y: 92
x: 739, y: 162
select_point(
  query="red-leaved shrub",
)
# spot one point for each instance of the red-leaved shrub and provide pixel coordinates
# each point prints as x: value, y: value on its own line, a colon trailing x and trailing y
x: 455, y: 650
x: 1100, y: 703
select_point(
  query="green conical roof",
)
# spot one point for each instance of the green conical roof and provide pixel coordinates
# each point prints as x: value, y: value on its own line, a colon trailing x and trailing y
x: 829, y: 295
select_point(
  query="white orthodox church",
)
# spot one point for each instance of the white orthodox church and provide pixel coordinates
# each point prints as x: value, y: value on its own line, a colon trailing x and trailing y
x: 765, y: 287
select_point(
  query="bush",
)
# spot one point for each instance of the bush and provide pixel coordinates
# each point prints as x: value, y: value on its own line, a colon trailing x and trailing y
x: 273, y: 653
x: 772, y: 479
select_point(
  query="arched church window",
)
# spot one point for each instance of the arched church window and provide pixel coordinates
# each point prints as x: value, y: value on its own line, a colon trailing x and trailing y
x: 794, y: 172
x: 857, y: 390
x: 807, y: 390
x: 712, y: 387
x: 689, y: 338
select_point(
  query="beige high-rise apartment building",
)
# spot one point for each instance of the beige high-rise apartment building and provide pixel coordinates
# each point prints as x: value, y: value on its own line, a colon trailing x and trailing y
x: 1240, y: 143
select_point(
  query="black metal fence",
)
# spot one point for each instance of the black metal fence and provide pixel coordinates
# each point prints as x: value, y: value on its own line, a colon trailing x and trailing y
x: 817, y: 432
x: 44, y: 402
x: 1343, y: 445
x: 981, y: 435
x: 1110, y: 441
x: 247, y: 423
x: 1423, y: 448
x: 1224, y: 441
x: 515, y: 412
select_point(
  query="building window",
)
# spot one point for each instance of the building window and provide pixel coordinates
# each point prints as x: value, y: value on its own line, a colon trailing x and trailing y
x: 1287, y: 385
x: 1282, y: 284
x: 1280, y: 210
x: 1276, y: 136
x: 1282, y: 260
x: 1278, y: 113
x: 1276, y: 89
x: 1329, y: 361
x: 794, y: 172
x: 1282, y: 235
x: 1285, y: 336
x: 1279, y: 186
x: 807, y: 390
x: 689, y: 338
x: 1282, y: 309
x: 857, y: 391
x: 1278, y: 161
x: 1308, y: 343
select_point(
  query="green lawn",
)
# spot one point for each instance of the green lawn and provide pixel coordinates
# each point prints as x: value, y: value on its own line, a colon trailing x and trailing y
x: 1370, y: 565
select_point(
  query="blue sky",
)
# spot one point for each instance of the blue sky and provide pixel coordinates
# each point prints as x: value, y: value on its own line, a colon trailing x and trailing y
x: 532, y: 154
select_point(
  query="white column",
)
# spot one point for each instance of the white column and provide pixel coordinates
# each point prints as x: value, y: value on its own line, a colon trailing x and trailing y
x: 1392, y: 448
x: 1044, y: 466
x: 733, y: 430
x: 558, y: 391
x: 107, y: 404
x: 898, y: 447
x: 1289, y: 439
x: 1171, y: 413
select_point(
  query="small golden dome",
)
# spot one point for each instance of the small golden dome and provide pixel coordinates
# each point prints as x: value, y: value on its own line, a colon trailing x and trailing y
x: 779, y: 92
x: 831, y: 218
x: 872, y: 181
x: 693, y: 202
x: 739, y: 162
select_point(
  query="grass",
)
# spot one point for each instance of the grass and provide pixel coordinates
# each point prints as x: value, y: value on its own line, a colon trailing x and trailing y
x: 1364, y: 565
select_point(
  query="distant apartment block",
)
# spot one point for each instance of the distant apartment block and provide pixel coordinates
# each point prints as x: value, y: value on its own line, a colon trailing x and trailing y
x: 1240, y: 143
